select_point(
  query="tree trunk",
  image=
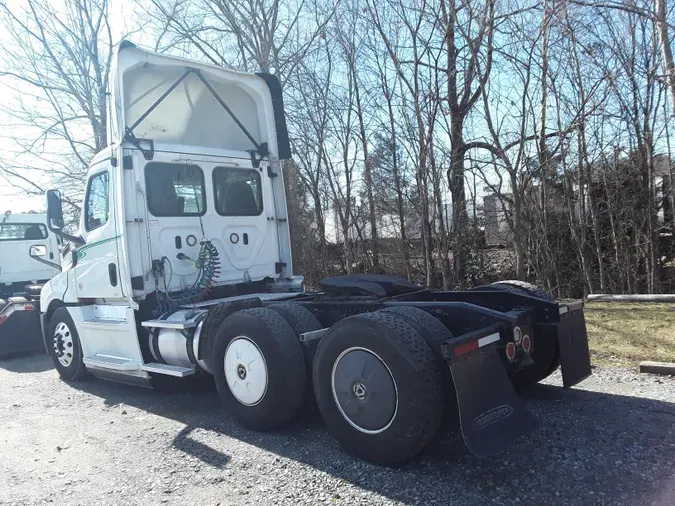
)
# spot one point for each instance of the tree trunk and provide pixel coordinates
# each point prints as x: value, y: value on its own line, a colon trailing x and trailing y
x: 666, y: 50
x: 368, y: 176
x: 460, y: 217
x: 400, y: 203
x: 518, y: 245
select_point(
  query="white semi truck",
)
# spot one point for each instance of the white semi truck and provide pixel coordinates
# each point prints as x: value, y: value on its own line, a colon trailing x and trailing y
x: 23, y: 238
x: 182, y: 266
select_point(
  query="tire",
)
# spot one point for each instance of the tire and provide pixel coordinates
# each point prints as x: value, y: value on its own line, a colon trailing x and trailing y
x: 214, y: 318
x: 527, y: 288
x: 429, y: 327
x: 302, y: 320
x: 64, y: 337
x: 383, y: 352
x: 435, y: 334
x: 545, y: 354
x: 275, y: 390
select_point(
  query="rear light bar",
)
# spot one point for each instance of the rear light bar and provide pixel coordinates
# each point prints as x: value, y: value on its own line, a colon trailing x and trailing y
x: 474, y: 345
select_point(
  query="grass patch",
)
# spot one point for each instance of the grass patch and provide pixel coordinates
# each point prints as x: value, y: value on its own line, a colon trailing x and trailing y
x: 625, y: 333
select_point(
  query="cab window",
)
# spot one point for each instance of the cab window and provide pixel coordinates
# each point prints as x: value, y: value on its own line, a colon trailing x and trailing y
x: 22, y: 232
x: 97, y: 210
x: 238, y: 192
x: 175, y: 189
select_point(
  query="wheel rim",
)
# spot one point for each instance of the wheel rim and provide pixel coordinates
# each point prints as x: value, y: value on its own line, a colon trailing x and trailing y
x: 364, y: 390
x: 63, y: 344
x: 245, y: 371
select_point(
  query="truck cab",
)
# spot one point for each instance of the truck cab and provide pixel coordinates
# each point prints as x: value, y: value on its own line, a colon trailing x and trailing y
x: 19, y: 233
x: 193, y: 159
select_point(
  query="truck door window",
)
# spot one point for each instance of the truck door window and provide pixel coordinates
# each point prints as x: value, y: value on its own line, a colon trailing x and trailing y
x: 175, y: 189
x: 22, y: 232
x: 238, y: 192
x: 97, y: 209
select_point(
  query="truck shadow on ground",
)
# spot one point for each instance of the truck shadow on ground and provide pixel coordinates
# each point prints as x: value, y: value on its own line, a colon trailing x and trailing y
x: 590, y: 448
x: 25, y: 361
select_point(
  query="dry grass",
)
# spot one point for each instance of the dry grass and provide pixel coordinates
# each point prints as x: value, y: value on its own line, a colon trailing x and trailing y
x: 623, y: 334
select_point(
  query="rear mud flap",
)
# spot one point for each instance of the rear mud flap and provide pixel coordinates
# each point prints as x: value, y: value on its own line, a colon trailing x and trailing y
x: 575, y: 358
x: 491, y: 412
x: 20, y: 332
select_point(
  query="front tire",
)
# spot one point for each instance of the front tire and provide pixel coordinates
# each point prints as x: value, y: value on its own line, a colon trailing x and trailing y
x: 378, y: 387
x: 65, y: 348
x: 258, y: 368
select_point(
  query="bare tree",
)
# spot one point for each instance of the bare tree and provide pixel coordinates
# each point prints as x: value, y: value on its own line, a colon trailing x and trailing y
x: 251, y: 35
x: 56, y: 63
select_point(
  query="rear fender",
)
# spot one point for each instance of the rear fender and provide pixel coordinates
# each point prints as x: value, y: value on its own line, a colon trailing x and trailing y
x: 491, y: 412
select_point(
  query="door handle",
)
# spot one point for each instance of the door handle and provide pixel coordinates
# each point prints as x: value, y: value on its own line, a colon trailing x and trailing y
x: 112, y: 274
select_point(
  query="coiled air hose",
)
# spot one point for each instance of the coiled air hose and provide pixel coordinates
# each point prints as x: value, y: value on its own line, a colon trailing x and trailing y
x: 208, y: 271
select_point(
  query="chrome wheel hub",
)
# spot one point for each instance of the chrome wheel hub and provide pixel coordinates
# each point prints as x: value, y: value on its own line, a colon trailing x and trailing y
x: 63, y: 344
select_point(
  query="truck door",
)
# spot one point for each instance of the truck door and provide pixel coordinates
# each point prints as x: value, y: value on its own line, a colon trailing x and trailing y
x: 97, y: 269
x: 248, y: 228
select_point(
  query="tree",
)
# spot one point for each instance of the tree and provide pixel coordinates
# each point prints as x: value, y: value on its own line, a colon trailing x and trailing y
x: 56, y: 62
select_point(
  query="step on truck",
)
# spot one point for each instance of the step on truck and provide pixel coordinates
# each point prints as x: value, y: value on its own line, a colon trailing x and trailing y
x: 182, y: 267
x: 23, y: 240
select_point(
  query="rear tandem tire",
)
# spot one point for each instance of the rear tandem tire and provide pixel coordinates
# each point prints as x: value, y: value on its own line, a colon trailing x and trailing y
x: 258, y: 368
x: 378, y: 387
x: 527, y: 288
x: 65, y: 348
x: 302, y: 320
x: 435, y: 333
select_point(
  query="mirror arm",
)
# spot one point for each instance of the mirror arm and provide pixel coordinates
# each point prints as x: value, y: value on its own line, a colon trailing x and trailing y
x: 47, y: 262
x: 75, y: 239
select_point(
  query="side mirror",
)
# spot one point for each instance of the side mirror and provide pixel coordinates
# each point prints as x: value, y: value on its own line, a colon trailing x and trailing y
x: 55, y: 221
x: 38, y: 250
x: 54, y: 211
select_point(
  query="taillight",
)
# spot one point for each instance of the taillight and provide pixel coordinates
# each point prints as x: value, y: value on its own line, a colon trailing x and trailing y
x: 517, y: 335
x: 3, y: 318
x: 510, y: 351
x: 527, y: 343
x: 28, y: 307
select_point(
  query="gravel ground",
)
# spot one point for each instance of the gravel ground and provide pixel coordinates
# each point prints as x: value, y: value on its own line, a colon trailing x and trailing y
x: 611, y: 440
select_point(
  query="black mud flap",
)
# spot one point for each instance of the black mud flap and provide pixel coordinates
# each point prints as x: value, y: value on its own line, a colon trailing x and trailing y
x: 20, y: 332
x: 491, y: 412
x: 575, y: 358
